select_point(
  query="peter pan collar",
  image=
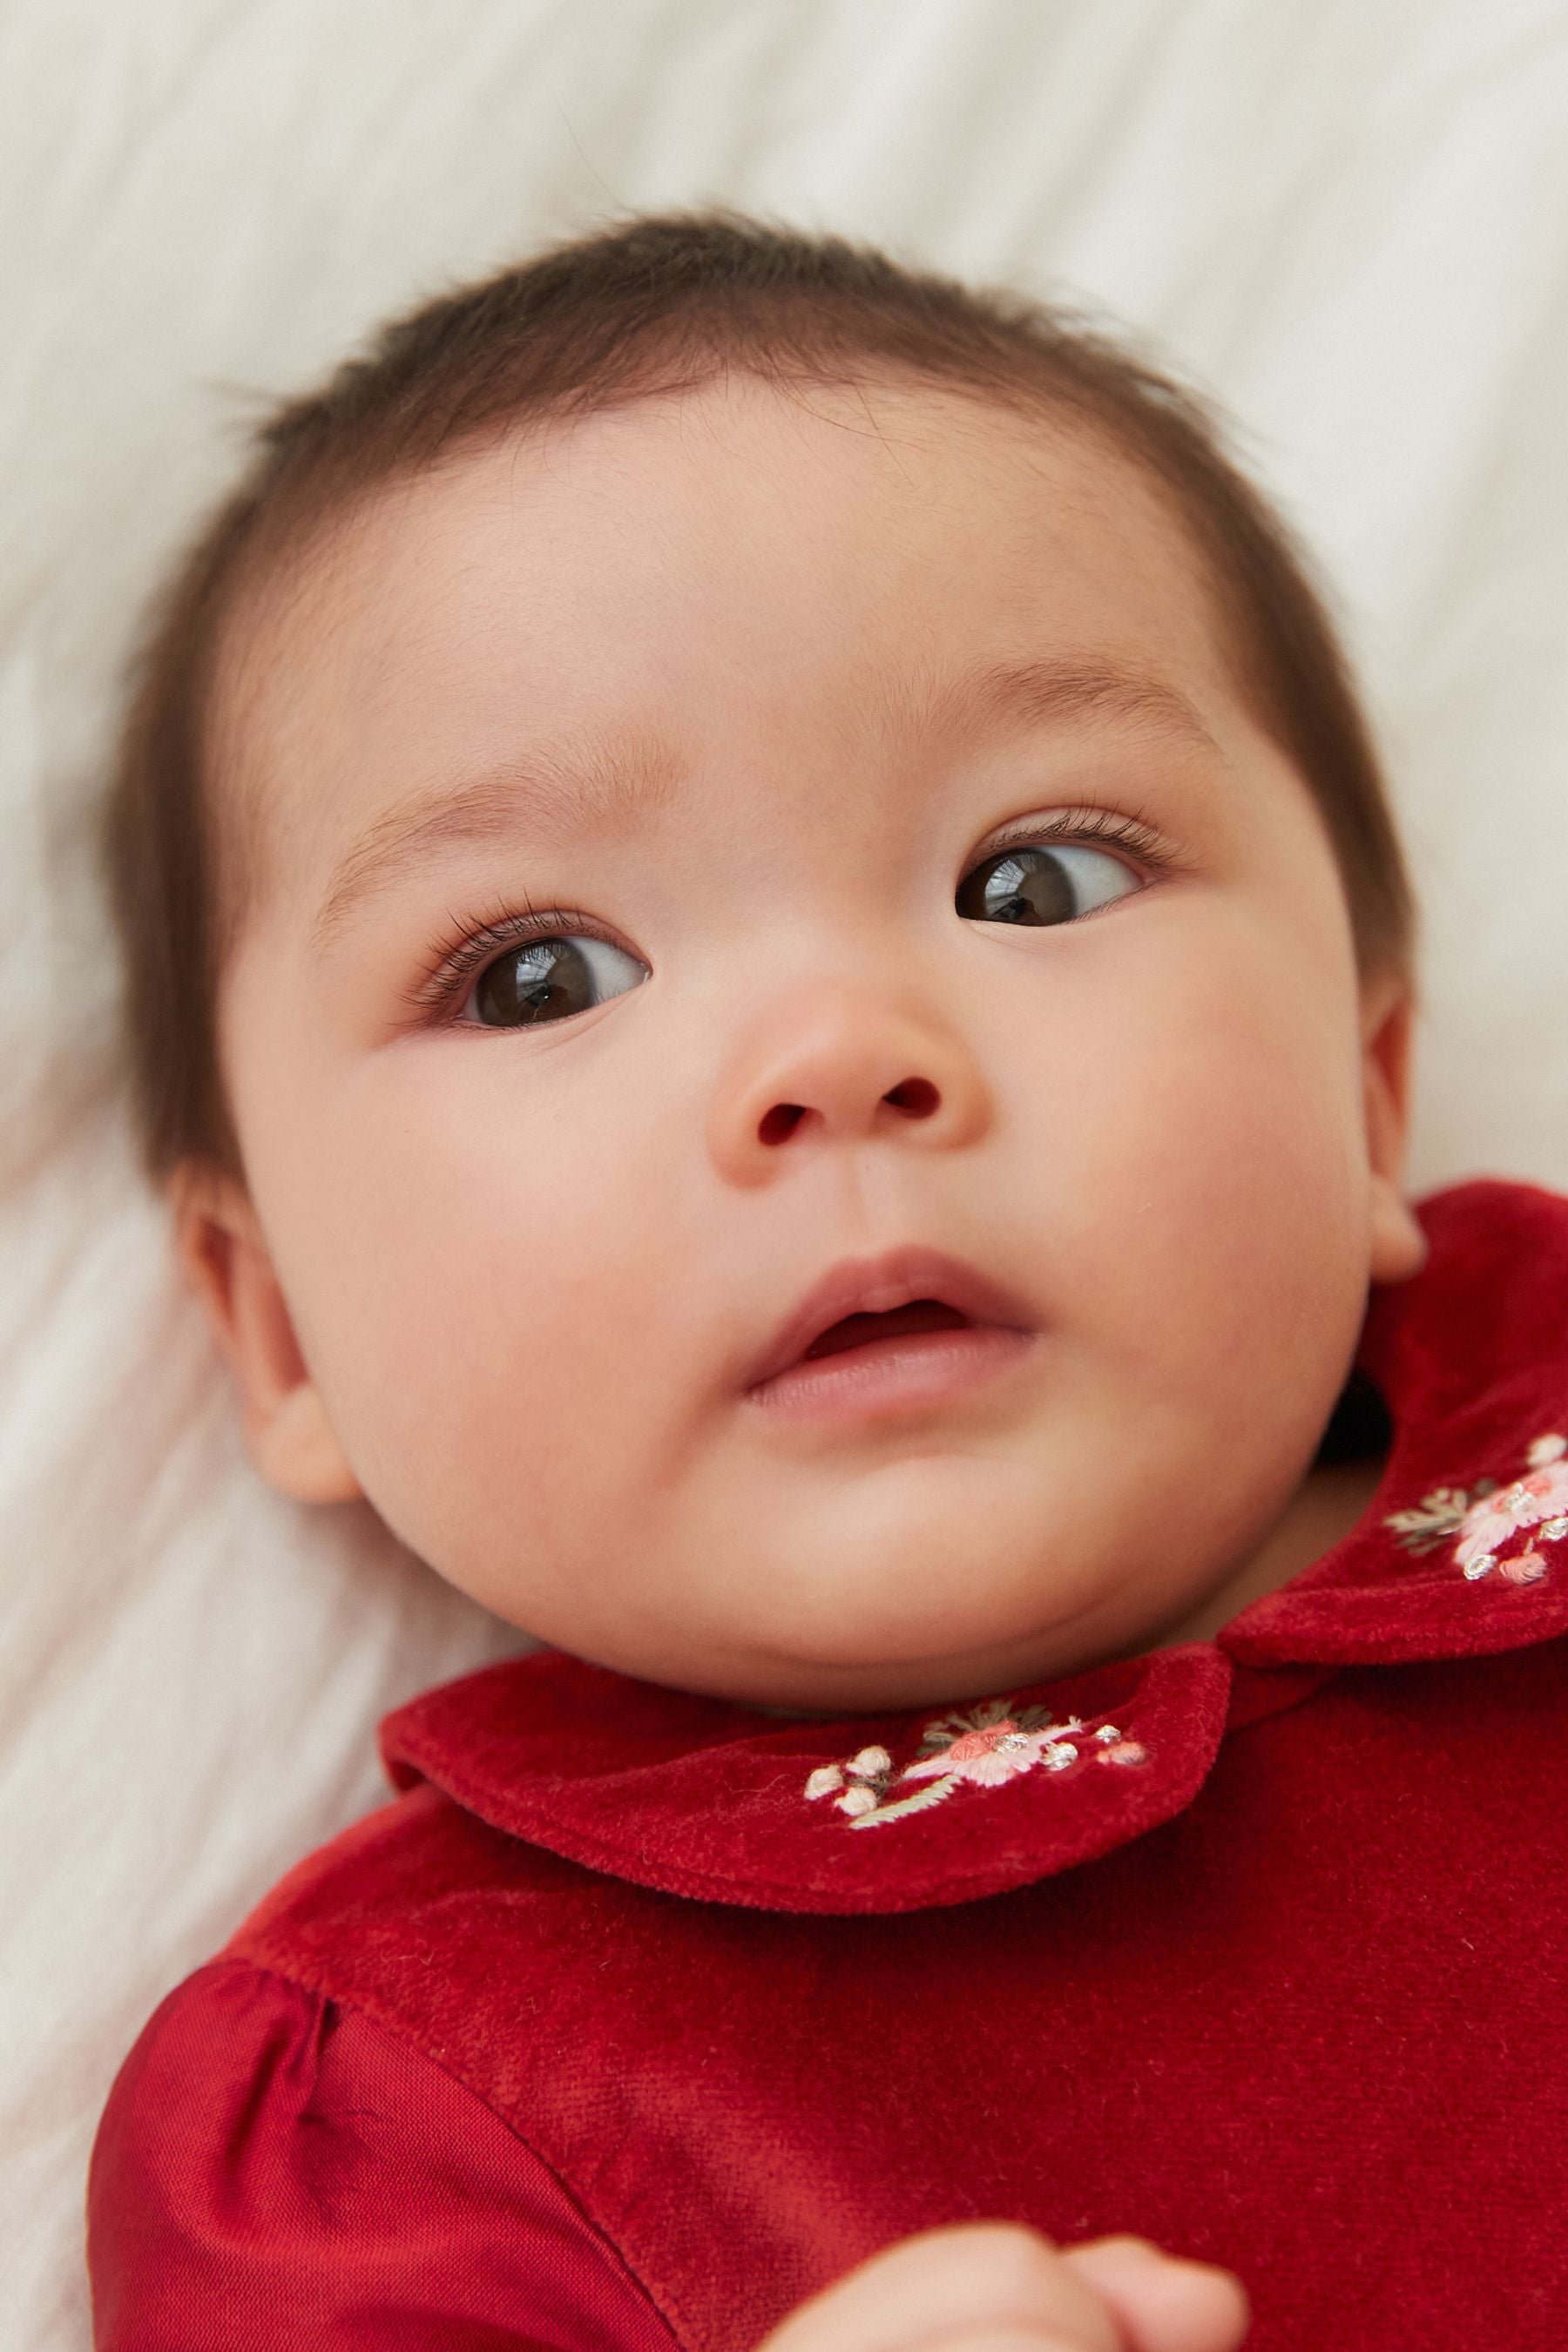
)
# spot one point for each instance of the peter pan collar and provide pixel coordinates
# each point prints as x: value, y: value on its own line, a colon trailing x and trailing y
x: 1463, y: 1552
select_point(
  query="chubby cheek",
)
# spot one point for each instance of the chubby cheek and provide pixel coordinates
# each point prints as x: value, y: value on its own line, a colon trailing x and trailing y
x: 492, y: 1327
x: 1215, y: 1195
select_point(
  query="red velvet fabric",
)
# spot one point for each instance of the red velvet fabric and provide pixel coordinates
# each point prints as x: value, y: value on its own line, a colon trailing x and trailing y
x: 284, y: 2173
x: 1254, y: 1945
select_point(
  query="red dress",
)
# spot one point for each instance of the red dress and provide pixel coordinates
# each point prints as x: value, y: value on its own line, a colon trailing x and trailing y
x: 639, y: 2016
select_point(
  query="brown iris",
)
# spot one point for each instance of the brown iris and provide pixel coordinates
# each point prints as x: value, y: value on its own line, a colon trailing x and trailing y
x: 1019, y: 886
x: 544, y: 981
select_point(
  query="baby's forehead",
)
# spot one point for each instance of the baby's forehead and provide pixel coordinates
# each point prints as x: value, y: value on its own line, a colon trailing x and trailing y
x: 843, y: 561
x: 793, y: 475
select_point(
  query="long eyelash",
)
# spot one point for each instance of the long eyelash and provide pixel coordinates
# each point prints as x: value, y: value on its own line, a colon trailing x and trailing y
x: 462, y: 947
x: 1128, y: 831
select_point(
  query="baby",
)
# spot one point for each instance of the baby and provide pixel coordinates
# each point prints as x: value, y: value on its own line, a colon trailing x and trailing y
x: 1050, y: 1724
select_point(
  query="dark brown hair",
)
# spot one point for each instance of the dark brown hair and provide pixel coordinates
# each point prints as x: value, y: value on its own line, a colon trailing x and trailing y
x: 655, y: 306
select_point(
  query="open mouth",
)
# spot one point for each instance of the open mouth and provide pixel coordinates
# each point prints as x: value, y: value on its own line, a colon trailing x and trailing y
x: 910, y: 1331
x: 899, y: 1322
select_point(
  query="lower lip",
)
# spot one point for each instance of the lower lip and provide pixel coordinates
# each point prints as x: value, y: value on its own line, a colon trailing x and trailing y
x: 918, y: 1372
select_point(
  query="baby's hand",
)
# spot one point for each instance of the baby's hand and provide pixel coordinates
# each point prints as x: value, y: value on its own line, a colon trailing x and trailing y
x: 990, y: 2286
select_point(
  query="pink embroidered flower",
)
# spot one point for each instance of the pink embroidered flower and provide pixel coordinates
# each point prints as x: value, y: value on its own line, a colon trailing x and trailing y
x: 1492, y: 1522
x: 1483, y: 1530
x: 997, y: 1753
x: 989, y: 1746
x: 1543, y: 1496
x: 1525, y: 1567
x: 1483, y: 1521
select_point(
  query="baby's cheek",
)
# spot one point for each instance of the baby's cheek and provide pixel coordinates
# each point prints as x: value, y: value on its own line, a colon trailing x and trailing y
x: 1202, y: 1182
x: 493, y: 1366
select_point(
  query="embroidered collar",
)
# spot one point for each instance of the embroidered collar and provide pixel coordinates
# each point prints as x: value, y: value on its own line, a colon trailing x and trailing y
x: 1463, y: 1552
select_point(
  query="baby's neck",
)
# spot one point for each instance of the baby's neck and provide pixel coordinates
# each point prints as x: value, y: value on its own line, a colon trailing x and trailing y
x: 1322, y: 1511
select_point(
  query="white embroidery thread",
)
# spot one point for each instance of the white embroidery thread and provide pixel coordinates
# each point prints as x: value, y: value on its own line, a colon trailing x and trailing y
x: 1487, y: 1519
x: 994, y: 1743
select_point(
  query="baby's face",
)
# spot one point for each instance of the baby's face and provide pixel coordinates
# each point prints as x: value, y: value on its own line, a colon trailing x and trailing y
x: 720, y: 712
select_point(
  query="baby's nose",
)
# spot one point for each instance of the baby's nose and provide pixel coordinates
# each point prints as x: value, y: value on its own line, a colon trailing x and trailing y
x: 844, y: 1068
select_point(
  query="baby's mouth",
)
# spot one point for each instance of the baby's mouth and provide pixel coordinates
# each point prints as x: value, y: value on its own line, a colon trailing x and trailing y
x: 912, y: 1328
x: 868, y: 1330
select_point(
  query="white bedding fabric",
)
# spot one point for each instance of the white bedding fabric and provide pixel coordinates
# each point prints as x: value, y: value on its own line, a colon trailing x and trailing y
x: 1348, y: 219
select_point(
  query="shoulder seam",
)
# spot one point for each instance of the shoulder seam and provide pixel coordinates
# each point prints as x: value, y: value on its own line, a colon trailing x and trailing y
x: 664, y: 2305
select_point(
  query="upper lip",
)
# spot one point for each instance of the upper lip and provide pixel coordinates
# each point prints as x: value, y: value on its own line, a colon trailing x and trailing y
x: 875, y: 1285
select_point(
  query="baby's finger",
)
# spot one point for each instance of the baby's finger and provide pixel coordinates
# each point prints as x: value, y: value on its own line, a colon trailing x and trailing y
x: 976, y: 2283
x: 1161, y: 2302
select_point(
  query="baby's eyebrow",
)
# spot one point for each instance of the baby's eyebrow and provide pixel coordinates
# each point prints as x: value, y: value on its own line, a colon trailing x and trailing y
x: 1051, y: 693
x: 553, y: 794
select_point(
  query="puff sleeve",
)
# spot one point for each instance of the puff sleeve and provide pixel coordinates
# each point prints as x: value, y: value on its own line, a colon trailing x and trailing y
x: 273, y: 2171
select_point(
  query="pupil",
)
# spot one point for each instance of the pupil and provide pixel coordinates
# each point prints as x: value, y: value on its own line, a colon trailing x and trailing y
x: 545, y: 980
x: 1021, y: 885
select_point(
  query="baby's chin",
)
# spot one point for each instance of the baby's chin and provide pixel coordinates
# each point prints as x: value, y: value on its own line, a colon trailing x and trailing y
x: 895, y: 1657
x: 946, y: 1574
x: 830, y: 1688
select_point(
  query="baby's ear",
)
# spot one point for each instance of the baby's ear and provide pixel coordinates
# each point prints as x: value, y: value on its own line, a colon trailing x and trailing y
x: 1388, y: 1012
x: 226, y: 1260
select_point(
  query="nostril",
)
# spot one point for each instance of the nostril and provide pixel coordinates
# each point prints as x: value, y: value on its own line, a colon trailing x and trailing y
x: 916, y: 1098
x: 779, y: 1124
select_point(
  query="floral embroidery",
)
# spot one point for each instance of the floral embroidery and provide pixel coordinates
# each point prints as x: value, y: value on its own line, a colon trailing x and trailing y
x: 994, y: 1743
x: 1486, y: 1519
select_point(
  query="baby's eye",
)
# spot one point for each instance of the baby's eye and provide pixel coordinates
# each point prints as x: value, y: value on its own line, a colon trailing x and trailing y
x: 549, y: 979
x: 1040, y: 885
